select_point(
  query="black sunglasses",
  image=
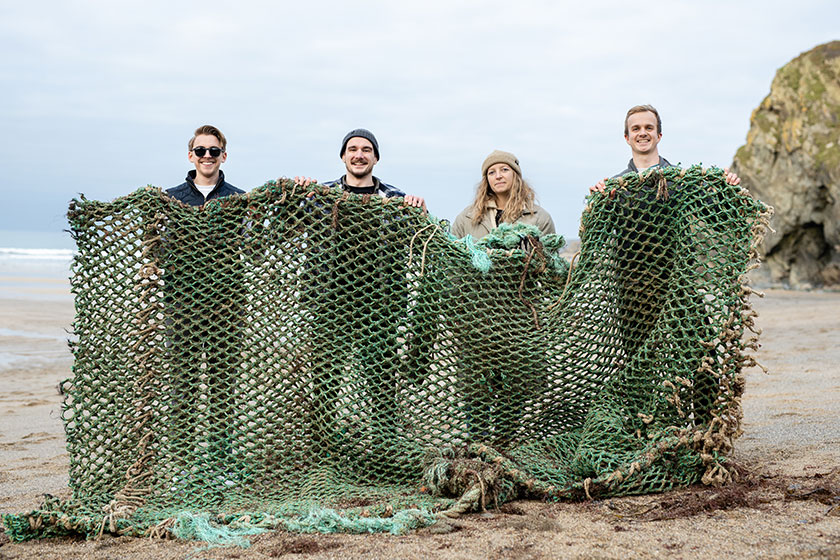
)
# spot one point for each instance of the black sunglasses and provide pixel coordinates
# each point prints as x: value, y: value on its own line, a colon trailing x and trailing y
x: 201, y: 150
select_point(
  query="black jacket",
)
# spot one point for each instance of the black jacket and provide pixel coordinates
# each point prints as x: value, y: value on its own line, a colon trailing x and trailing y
x: 188, y: 193
x: 631, y: 167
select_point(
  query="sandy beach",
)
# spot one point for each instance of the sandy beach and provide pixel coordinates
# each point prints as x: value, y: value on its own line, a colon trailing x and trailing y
x: 786, y: 506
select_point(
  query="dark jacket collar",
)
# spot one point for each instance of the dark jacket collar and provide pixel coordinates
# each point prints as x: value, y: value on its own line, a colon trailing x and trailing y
x: 631, y: 167
x: 360, y: 190
x: 191, y: 182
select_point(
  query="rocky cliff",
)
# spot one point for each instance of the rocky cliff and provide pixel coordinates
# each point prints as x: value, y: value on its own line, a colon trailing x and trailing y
x: 792, y: 161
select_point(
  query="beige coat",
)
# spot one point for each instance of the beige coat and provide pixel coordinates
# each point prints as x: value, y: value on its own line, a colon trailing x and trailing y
x: 463, y: 224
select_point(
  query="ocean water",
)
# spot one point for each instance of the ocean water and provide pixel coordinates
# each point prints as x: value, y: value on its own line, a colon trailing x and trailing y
x: 18, y: 239
x: 35, y: 264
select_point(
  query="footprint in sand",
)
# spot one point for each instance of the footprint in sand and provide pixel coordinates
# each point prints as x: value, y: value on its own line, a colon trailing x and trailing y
x: 37, y: 403
x: 42, y: 436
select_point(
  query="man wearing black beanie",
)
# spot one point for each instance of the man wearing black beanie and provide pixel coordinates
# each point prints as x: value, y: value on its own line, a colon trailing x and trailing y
x: 360, y: 153
x: 355, y: 291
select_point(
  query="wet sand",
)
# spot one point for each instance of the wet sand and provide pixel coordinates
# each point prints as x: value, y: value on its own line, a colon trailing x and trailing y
x: 786, y: 507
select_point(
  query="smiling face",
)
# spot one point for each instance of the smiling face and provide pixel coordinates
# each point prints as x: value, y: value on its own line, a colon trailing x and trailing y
x: 500, y: 179
x: 359, y: 157
x: 207, y: 167
x: 642, y: 133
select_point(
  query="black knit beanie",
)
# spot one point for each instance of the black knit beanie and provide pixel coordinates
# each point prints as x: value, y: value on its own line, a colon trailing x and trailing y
x: 361, y: 133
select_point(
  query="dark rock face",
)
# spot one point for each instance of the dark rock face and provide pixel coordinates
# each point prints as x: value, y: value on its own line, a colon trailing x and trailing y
x: 791, y: 161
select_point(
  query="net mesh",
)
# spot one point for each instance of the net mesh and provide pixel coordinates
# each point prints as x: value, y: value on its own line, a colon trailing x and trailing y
x: 314, y: 360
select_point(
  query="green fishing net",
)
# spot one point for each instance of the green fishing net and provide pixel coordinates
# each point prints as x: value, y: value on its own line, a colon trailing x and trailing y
x: 312, y: 360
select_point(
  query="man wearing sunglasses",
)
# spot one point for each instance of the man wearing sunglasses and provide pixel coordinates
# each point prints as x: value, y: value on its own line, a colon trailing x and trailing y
x: 208, y: 150
x: 203, y: 303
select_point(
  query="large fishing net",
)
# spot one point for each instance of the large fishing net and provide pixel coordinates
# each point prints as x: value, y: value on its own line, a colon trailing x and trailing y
x: 312, y: 360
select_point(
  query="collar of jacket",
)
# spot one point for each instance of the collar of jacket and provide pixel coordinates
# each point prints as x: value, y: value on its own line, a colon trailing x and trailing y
x: 191, y: 182
x: 491, y: 205
x: 376, y: 185
x: 663, y: 163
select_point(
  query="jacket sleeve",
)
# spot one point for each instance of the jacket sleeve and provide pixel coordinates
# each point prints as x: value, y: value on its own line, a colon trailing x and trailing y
x: 544, y: 222
x: 459, y: 226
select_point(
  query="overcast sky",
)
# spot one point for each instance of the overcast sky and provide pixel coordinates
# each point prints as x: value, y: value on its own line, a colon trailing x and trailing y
x: 101, y: 97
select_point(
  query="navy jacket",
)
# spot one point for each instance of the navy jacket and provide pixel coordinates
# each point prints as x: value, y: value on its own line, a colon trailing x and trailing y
x: 631, y: 167
x: 188, y: 193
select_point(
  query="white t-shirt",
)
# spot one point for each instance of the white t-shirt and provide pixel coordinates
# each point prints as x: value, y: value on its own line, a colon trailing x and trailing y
x: 643, y: 169
x: 205, y: 190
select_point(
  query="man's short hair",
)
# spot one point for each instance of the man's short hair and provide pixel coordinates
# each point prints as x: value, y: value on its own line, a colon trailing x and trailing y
x: 210, y: 130
x: 643, y: 109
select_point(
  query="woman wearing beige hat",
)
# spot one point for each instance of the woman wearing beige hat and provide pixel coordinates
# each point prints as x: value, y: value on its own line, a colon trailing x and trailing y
x: 500, y: 372
x: 502, y: 196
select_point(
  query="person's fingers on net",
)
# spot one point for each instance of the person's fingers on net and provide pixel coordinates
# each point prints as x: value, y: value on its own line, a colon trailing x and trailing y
x: 732, y: 178
x: 304, y: 181
x: 600, y: 186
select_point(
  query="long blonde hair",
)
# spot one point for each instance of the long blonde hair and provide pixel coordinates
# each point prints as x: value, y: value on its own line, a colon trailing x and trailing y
x: 521, y: 199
